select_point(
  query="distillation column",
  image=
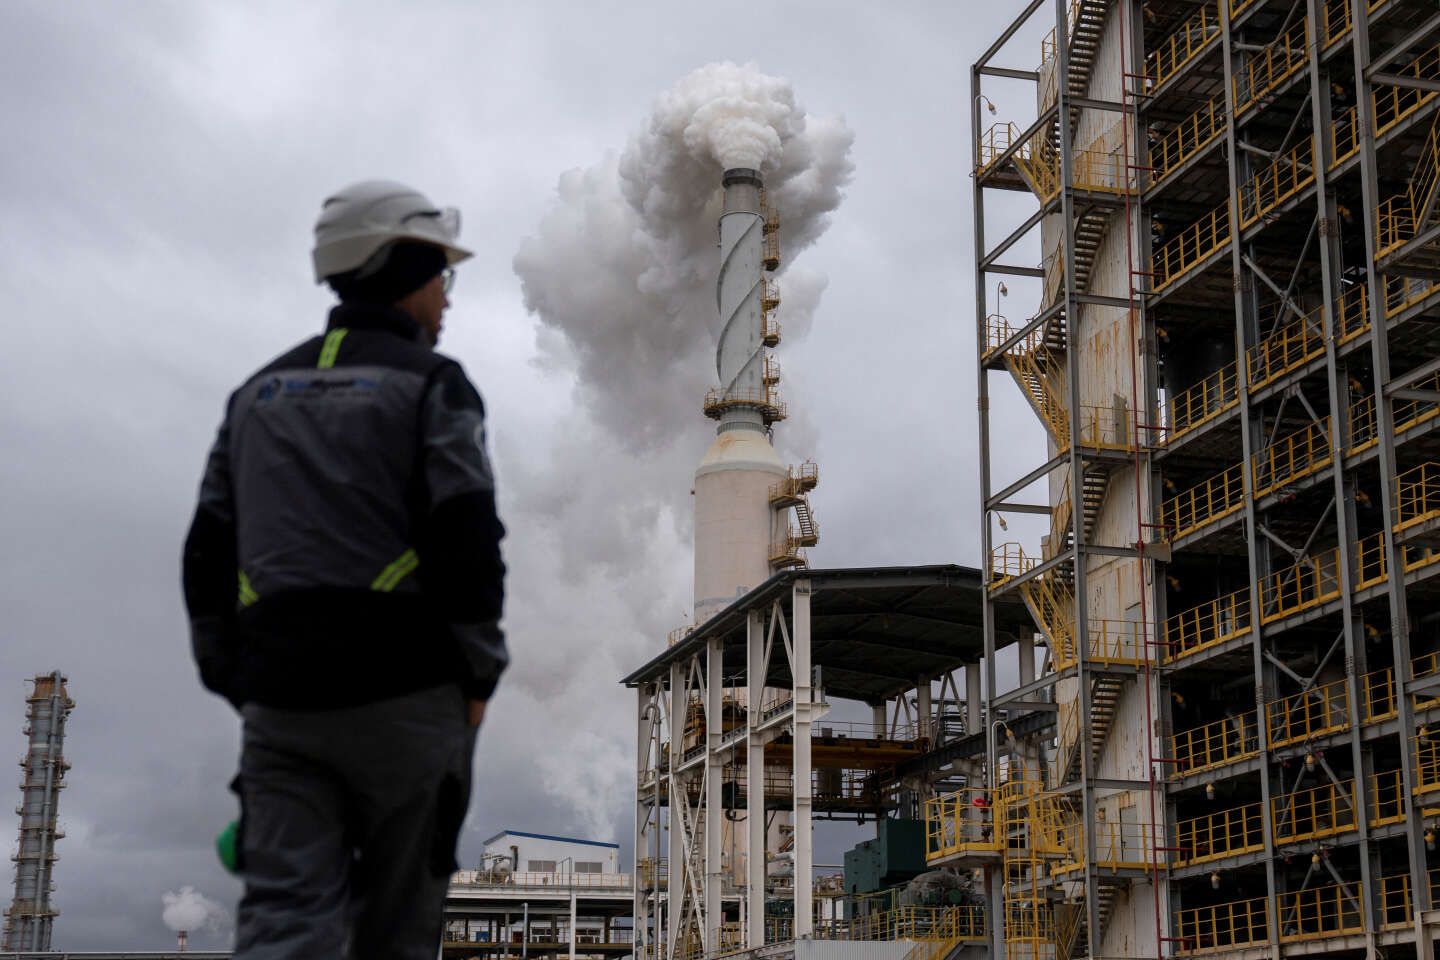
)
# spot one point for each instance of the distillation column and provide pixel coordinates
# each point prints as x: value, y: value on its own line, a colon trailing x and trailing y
x: 30, y: 917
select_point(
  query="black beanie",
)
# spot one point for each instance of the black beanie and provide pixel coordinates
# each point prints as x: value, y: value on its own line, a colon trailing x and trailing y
x: 406, y: 268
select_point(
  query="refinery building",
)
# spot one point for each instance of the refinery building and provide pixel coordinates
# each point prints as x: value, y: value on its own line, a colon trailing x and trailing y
x: 1187, y: 706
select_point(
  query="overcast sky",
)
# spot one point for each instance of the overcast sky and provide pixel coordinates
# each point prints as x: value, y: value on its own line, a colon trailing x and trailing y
x: 162, y: 169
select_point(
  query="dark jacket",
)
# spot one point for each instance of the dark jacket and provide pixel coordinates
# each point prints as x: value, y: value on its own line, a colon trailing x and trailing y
x: 346, y: 546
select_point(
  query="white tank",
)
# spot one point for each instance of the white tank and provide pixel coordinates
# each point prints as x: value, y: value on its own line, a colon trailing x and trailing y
x: 734, y: 525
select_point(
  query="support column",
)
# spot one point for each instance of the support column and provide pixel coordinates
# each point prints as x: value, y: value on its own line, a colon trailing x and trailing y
x: 1027, y: 659
x: 572, y: 918
x: 675, y: 876
x: 973, y: 704
x: 755, y: 853
x: 924, y: 709
x: 804, y: 922
x: 714, y: 774
x: 643, y: 763
x: 1385, y: 432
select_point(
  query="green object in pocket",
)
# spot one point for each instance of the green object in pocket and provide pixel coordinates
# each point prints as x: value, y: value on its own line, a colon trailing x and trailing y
x: 227, y: 846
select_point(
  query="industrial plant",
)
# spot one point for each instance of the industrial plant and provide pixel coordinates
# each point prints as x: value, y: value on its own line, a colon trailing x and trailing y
x: 1192, y: 713
x: 1188, y: 703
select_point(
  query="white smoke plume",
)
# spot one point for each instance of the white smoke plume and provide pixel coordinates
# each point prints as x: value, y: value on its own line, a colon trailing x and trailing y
x: 621, y: 276
x: 621, y: 272
x: 192, y: 911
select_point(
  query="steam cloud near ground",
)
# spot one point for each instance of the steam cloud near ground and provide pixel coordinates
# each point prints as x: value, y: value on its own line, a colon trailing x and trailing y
x: 620, y: 274
x: 192, y: 911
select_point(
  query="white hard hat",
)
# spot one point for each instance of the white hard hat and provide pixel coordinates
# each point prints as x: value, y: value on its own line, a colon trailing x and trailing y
x: 364, y: 218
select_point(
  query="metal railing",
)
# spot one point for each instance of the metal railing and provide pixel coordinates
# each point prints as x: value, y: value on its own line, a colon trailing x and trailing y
x: 1311, y: 713
x: 1323, y: 811
x: 1417, y: 495
x: 1294, y: 343
x: 1402, y: 292
x: 1266, y: 70
x: 1206, y: 502
x: 1113, y: 643
x: 1201, y: 239
x: 1118, y: 846
x: 1225, y: 833
x: 1314, y: 913
x: 1290, y: 173
x: 588, y: 881
x: 998, y: 138
x: 1293, y: 457
x: 1187, y: 138
x: 1215, y: 744
x: 1008, y: 561
x: 1222, y: 926
x: 1185, y: 44
x: 1397, y: 219
x: 960, y: 823
x: 1199, y: 403
x: 1207, y: 625
x: 1309, y: 582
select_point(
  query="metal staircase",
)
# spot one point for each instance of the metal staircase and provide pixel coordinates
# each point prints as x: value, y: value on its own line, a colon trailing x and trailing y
x: 1105, y: 691
x: 1073, y: 924
x: 1040, y: 372
x: 1407, y: 215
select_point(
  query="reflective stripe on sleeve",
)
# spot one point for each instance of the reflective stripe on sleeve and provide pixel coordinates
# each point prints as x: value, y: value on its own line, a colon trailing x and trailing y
x: 401, y: 567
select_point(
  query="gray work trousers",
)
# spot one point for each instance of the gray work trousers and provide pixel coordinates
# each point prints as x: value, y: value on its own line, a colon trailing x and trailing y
x: 349, y: 820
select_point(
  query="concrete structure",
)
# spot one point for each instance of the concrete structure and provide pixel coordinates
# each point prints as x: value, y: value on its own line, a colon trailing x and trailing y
x: 1229, y: 343
x: 30, y: 918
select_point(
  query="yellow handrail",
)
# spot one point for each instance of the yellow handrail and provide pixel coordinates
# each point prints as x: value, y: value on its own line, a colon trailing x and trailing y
x: 1293, y: 457
x: 1308, y: 714
x: 1119, y: 845
x: 1222, y: 926
x: 1427, y: 761
x: 1224, y: 833
x: 1184, y: 45
x: 1397, y: 219
x: 1317, y: 913
x: 1199, y: 403
x: 1266, y: 70
x: 1008, y: 561
x: 994, y: 142
x: 1309, y: 582
x: 1417, y: 495
x: 1215, y: 744
x: 1295, y: 342
x: 1207, y: 501
x: 960, y: 823
x: 1290, y: 173
x: 1196, y: 242
x: 1323, y: 811
x: 1187, y: 138
x: 1207, y: 625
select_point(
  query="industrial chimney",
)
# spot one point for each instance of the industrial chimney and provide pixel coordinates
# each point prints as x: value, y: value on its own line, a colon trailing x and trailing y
x: 30, y: 917
x: 742, y: 490
x: 182, y: 941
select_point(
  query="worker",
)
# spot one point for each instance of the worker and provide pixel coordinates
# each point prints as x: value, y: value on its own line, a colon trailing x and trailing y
x: 344, y: 583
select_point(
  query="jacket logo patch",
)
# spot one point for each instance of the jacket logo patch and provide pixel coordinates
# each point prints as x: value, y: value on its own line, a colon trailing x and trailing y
x: 305, y: 388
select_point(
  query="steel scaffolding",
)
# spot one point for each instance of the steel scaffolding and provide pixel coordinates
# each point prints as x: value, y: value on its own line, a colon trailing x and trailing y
x: 1232, y: 354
